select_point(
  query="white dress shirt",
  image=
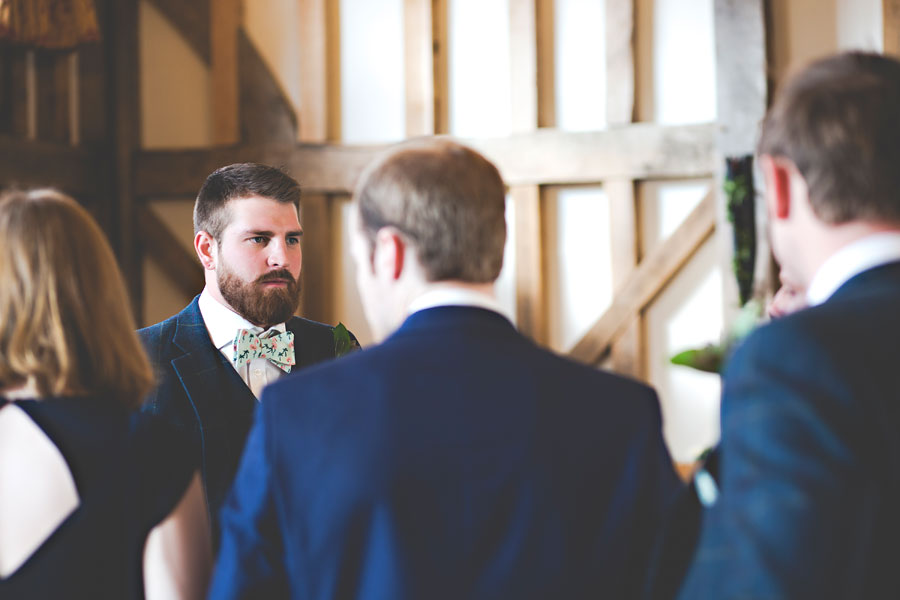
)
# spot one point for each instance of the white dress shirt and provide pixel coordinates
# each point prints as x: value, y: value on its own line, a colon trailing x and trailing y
x: 222, y: 324
x: 453, y: 296
x: 851, y: 260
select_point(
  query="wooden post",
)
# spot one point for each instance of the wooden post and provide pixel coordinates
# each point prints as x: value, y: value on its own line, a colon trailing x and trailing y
x: 530, y: 294
x: 122, y: 40
x: 318, y: 30
x: 313, y: 32
x: 419, y: 58
x: 741, y: 94
x: 891, y: 26
x: 440, y: 48
x: 52, y: 96
x: 225, y: 18
x: 628, y: 353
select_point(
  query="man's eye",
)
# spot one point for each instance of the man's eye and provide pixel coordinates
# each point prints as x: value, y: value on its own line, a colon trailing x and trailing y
x: 293, y: 240
x: 258, y: 239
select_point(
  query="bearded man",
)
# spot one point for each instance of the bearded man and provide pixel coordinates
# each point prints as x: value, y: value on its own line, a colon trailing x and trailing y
x: 215, y: 356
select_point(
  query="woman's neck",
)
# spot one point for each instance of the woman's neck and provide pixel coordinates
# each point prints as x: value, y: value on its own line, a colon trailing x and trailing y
x: 26, y: 390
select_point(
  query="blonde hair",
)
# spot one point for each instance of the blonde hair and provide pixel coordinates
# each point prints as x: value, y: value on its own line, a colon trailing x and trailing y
x: 65, y: 320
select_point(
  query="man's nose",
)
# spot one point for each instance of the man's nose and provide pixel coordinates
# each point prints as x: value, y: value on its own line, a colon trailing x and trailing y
x: 278, y: 256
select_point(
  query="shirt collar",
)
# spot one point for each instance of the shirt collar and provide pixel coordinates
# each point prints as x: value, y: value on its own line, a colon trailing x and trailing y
x: 861, y: 255
x: 455, y: 296
x: 222, y: 323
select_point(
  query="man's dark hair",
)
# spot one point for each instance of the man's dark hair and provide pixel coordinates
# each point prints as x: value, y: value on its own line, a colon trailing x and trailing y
x: 838, y: 121
x: 239, y: 181
x: 447, y: 199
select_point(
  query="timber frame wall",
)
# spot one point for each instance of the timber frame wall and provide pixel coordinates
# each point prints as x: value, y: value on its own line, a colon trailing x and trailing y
x: 74, y: 123
x: 533, y: 156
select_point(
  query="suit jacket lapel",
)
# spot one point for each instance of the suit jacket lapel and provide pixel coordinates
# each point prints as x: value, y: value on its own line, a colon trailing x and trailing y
x: 221, y: 400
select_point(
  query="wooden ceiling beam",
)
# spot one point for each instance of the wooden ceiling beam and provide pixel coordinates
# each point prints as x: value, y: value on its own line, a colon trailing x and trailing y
x: 647, y: 280
x: 639, y: 151
x: 28, y: 163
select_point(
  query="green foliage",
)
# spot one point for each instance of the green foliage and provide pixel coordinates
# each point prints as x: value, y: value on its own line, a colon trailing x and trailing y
x: 713, y: 357
x: 343, y: 343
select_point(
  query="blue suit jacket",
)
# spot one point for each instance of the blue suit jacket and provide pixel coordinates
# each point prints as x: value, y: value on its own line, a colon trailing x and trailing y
x: 200, y: 392
x: 809, y: 461
x: 455, y: 460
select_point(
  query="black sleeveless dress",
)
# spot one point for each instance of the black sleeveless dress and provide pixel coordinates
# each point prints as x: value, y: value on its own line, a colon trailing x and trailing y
x: 130, y: 471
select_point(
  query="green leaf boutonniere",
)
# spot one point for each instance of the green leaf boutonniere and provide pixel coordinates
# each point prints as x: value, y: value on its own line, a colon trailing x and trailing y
x: 343, y: 342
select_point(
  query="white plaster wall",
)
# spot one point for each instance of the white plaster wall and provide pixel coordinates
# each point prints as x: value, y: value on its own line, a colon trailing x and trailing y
x: 580, y: 64
x: 579, y: 262
x: 373, y: 93
x: 479, y: 68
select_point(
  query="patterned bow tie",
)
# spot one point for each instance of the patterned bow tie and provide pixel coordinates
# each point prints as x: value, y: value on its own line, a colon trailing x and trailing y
x: 278, y: 349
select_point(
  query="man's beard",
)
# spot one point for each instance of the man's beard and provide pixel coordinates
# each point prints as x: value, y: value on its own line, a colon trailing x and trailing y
x: 261, y: 306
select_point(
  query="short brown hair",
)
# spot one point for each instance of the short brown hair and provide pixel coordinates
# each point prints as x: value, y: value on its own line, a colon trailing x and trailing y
x: 239, y: 181
x: 448, y: 199
x: 838, y: 121
x: 65, y: 320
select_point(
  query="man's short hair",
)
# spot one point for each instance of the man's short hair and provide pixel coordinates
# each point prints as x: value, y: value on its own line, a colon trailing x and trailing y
x: 838, y: 121
x: 239, y: 181
x: 447, y: 199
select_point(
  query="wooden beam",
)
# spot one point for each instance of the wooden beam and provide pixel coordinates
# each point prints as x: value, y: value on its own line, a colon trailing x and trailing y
x: 419, y: 67
x: 93, y: 107
x: 14, y: 97
x: 628, y: 350
x: 531, y: 314
x: 441, y: 49
x: 639, y: 151
x: 531, y: 311
x: 646, y: 281
x: 741, y: 98
x: 891, y: 26
x: 52, y: 96
x: 318, y: 260
x: 634, y: 152
x: 620, y: 62
x: 546, y: 63
x: 192, y: 20
x: 225, y: 19
x: 30, y: 164
x: 169, y: 253
x: 313, y: 33
x: 122, y: 40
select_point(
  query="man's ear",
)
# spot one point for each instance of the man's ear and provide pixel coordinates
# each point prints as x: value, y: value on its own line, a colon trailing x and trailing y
x: 390, y: 252
x: 777, y: 175
x: 207, y: 250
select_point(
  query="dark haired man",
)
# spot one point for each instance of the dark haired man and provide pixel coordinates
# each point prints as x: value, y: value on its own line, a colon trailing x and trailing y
x: 475, y: 465
x: 809, y: 460
x: 214, y: 357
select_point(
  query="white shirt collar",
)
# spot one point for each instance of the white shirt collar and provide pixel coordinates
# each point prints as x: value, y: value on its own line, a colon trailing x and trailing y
x: 222, y: 323
x: 869, y: 252
x: 454, y: 296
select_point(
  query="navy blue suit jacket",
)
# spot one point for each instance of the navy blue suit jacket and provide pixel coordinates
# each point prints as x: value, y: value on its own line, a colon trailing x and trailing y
x: 809, y: 461
x: 200, y: 392
x: 455, y: 460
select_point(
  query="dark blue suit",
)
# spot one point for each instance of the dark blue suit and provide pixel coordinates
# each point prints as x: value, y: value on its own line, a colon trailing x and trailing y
x: 809, y: 462
x: 455, y: 460
x: 200, y: 391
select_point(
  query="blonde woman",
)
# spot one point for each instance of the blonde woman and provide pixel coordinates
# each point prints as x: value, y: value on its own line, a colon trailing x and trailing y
x: 94, y: 499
